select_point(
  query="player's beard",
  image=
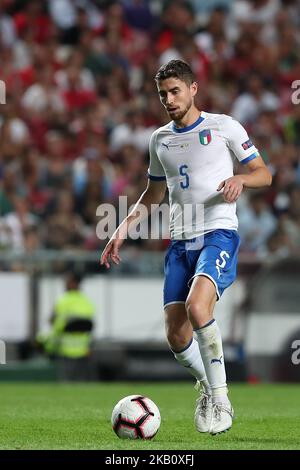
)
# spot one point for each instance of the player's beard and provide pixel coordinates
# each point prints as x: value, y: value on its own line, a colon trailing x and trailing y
x: 179, y: 115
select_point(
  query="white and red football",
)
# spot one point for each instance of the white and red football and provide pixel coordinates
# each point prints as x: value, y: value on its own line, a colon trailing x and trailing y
x: 135, y: 417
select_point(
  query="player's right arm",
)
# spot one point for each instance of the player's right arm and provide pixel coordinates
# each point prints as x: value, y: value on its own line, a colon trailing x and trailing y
x: 153, y: 194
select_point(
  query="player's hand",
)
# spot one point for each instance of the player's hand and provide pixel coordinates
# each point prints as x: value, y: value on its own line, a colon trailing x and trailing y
x: 232, y: 188
x: 111, y: 252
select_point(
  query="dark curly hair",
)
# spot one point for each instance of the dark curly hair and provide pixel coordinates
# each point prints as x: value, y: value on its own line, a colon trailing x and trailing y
x: 177, y: 69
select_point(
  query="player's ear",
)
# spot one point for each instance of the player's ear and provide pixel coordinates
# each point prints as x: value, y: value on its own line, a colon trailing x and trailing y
x: 194, y: 88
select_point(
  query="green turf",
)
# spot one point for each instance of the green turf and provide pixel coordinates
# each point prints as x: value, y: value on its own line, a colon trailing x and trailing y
x: 52, y: 416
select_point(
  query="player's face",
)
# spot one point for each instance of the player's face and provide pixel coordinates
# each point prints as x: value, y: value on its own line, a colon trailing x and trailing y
x: 176, y: 96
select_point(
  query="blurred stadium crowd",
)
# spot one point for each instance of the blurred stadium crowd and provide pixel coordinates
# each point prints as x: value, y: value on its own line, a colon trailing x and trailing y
x: 81, y: 105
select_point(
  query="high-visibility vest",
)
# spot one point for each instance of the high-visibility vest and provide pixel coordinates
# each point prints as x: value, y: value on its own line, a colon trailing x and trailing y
x: 72, y: 305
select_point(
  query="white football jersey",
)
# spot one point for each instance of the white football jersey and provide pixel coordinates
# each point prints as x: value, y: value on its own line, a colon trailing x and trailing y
x: 194, y: 160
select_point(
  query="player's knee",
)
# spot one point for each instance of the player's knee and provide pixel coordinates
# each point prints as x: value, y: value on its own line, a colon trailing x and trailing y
x: 198, y: 313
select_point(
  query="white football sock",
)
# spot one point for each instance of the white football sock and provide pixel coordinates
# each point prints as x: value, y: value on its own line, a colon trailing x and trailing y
x: 211, y: 350
x: 191, y: 359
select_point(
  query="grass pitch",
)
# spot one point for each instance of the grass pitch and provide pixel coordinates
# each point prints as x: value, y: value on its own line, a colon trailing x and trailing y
x: 54, y: 416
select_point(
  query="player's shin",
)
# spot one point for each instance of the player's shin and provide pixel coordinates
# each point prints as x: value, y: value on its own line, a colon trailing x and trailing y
x: 190, y: 358
x: 211, y: 350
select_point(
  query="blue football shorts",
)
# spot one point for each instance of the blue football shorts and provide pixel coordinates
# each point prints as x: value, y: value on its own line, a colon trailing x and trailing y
x: 213, y: 255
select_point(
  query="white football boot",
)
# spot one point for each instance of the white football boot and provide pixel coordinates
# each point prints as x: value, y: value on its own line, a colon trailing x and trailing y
x: 221, y: 418
x: 203, y: 412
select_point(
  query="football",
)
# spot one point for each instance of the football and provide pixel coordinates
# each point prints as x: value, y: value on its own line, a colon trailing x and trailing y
x: 135, y: 417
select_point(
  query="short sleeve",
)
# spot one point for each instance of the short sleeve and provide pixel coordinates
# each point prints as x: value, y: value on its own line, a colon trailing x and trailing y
x: 238, y: 140
x: 155, y: 170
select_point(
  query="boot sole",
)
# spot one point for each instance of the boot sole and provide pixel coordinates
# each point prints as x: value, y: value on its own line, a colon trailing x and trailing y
x: 220, y: 432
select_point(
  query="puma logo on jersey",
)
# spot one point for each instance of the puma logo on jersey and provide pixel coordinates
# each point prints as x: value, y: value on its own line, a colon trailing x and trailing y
x: 182, y: 145
x: 221, y: 263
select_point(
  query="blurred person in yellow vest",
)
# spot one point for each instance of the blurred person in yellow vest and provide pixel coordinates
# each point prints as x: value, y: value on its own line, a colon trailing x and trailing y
x: 70, y: 337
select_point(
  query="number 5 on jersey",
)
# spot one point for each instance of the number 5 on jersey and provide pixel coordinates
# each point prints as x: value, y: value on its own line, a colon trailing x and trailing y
x: 182, y: 171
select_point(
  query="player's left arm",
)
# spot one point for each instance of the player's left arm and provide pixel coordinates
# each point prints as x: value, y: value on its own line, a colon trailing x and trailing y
x: 258, y: 177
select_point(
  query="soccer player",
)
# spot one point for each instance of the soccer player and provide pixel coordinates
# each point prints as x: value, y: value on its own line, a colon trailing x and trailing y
x: 193, y: 156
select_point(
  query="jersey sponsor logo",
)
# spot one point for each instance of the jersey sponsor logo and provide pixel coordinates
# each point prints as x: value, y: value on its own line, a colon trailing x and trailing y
x: 221, y: 263
x: 246, y: 145
x: 205, y: 137
x: 168, y: 145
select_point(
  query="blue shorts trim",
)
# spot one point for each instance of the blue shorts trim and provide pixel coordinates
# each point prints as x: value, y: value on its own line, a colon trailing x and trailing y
x: 214, y: 256
x: 209, y: 277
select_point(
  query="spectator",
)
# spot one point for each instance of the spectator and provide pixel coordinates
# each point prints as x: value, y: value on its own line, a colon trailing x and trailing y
x: 17, y: 222
x: 255, y: 100
x: 79, y: 81
x: 70, y: 337
x: 256, y: 224
x: 64, y: 228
